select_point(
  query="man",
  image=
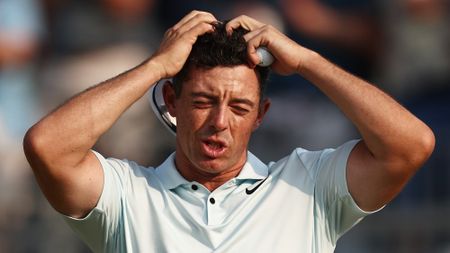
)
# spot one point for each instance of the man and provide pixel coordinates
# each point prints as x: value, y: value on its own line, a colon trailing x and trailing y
x: 212, y: 195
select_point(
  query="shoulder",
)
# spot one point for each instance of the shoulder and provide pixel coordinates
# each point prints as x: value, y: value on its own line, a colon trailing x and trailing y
x: 123, y: 170
x: 312, y: 161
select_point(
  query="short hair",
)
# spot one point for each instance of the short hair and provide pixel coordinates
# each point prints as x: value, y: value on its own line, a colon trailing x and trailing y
x: 219, y: 49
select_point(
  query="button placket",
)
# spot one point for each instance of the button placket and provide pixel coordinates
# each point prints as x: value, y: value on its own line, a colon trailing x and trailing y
x: 212, y: 206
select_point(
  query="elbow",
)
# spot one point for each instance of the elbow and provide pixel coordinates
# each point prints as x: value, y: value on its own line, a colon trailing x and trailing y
x: 419, y: 151
x: 29, y: 143
x: 34, y: 146
x: 32, y: 139
x: 406, y: 159
x: 426, y: 146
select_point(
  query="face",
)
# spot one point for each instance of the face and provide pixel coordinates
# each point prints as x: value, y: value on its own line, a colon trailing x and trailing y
x: 217, y: 111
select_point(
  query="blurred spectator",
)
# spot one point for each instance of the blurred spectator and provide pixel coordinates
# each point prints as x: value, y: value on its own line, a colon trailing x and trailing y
x: 81, y: 26
x: 21, y: 30
x: 349, y: 25
x: 416, y: 58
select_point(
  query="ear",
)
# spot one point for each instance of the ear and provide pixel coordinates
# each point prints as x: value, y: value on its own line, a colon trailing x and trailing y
x: 169, y: 97
x: 263, y: 108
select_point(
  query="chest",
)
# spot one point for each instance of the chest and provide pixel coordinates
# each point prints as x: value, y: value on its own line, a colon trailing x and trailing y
x: 276, y: 217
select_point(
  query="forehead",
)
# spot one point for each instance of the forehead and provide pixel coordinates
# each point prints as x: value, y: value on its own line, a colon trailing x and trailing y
x: 238, y: 80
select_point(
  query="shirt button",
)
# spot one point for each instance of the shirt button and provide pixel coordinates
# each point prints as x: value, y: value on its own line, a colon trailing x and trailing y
x: 194, y: 187
x: 212, y: 201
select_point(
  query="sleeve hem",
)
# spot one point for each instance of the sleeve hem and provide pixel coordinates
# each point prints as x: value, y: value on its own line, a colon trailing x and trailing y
x: 101, y: 159
x: 347, y: 148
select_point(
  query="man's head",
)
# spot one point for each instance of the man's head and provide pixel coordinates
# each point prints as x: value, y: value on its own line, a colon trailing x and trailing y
x: 219, y: 49
x: 218, y: 104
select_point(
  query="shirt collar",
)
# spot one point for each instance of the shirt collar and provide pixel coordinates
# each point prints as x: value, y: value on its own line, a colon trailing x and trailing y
x: 253, y: 168
x: 170, y: 177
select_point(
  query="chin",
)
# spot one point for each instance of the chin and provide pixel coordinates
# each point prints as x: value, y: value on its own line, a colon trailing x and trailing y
x: 212, y: 167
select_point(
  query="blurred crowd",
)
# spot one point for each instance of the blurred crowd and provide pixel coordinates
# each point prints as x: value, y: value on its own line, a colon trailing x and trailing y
x: 53, y: 49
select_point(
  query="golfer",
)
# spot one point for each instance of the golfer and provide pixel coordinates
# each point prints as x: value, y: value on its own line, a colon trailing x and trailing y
x: 212, y: 194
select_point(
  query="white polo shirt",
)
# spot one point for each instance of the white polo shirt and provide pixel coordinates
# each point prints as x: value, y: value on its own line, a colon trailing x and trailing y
x: 298, y: 204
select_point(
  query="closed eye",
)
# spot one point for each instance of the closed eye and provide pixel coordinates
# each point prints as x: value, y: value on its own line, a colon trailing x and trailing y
x: 240, y: 110
x: 202, y: 104
x: 202, y: 100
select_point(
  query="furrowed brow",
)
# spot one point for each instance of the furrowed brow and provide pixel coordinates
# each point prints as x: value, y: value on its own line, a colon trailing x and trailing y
x: 202, y: 94
x: 212, y: 97
x: 243, y: 101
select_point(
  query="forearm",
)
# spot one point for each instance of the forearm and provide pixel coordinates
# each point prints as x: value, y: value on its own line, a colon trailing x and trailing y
x: 67, y: 134
x: 387, y: 128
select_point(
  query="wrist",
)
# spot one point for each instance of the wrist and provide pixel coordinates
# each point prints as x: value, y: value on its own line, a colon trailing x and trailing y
x: 307, y: 60
x: 155, y: 68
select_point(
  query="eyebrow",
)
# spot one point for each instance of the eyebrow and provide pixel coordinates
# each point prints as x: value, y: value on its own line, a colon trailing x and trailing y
x: 242, y: 101
x: 202, y: 94
x: 233, y: 100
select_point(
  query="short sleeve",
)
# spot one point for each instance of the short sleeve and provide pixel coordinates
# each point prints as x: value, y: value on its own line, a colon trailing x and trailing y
x: 102, y: 224
x: 335, y: 207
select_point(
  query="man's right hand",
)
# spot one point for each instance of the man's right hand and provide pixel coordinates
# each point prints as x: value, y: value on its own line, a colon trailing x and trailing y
x: 178, y: 40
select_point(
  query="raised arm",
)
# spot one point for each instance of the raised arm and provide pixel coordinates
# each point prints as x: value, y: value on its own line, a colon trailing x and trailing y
x: 58, y: 146
x: 395, y: 143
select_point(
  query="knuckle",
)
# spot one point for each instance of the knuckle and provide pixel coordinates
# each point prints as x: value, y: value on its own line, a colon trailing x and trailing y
x: 243, y: 17
x: 211, y: 16
x: 177, y: 33
x: 184, y: 36
x: 201, y: 13
x: 170, y: 31
x: 205, y: 15
x: 267, y: 27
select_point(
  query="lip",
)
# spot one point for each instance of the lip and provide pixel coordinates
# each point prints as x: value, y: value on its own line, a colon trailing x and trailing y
x: 213, y: 148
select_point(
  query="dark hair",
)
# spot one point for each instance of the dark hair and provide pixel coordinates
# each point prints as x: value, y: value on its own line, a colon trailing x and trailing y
x: 219, y: 49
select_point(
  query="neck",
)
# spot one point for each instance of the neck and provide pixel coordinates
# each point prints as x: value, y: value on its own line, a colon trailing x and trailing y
x: 211, y: 180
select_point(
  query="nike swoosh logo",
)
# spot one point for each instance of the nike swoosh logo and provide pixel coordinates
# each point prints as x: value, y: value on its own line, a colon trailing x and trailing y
x: 256, y: 187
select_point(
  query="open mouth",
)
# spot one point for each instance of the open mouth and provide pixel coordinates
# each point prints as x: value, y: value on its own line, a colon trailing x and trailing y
x: 213, y: 149
x: 214, y: 145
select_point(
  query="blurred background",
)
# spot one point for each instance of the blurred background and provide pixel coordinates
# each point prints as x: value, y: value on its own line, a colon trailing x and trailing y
x: 53, y: 49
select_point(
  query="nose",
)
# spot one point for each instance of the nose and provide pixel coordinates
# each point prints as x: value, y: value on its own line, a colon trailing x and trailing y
x: 219, y: 118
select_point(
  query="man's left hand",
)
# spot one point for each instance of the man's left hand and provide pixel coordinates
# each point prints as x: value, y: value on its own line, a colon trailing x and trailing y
x: 288, y: 54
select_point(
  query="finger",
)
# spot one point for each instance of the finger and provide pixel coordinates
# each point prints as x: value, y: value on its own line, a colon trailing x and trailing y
x: 191, y: 15
x: 252, y: 45
x: 254, y: 40
x: 243, y: 21
x: 194, y: 21
x: 198, y: 30
x: 250, y: 35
